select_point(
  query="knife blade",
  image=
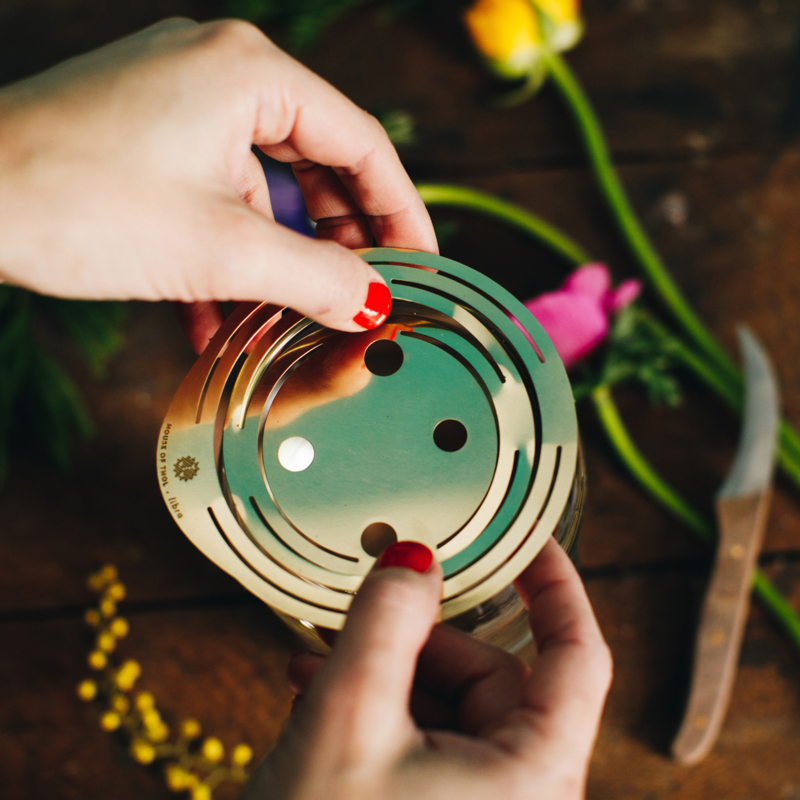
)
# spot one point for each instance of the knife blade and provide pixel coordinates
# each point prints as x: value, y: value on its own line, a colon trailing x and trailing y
x: 742, y: 506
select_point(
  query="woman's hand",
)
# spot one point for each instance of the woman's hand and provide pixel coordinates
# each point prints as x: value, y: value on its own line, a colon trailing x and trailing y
x: 404, y: 709
x: 128, y: 173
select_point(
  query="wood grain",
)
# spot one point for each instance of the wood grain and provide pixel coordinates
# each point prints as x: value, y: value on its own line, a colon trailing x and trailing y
x: 700, y: 103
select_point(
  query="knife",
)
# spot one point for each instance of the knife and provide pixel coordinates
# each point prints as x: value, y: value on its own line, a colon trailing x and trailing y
x: 742, y: 506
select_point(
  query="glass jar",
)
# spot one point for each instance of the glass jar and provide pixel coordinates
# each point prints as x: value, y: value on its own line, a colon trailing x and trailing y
x: 292, y: 455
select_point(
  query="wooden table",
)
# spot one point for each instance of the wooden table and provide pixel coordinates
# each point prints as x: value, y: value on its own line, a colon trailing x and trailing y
x: 701, y: 102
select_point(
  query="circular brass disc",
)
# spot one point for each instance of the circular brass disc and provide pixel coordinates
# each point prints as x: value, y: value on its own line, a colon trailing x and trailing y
x: 293, y: 454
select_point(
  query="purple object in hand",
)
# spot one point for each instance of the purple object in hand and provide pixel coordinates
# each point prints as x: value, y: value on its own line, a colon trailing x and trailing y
x: 288, y: 204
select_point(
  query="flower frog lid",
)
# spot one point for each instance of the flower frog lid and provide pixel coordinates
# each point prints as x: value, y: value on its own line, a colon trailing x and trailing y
x: 292, y: 454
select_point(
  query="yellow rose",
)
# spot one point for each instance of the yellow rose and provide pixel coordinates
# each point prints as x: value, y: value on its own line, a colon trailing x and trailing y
x: 507, y: 34
x: 561, y: 22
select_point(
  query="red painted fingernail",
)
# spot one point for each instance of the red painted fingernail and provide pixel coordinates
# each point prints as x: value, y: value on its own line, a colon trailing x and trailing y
x: 376, y: 308
x: 411, y: 555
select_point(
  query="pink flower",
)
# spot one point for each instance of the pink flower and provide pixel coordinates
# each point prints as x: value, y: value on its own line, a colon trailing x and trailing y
x: 576, y: 316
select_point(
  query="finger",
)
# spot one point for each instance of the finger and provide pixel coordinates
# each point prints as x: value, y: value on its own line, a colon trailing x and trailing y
x: 368, y: 677
x: 565, y: 694
x: 199, y: 322
x: 430, y: 711
x: 251, y: 258
x: 302, y: 669
x: 306, y: 117
x: 330, y: 205
x: 485, y: 681
x: 427, y: 709
x: 251, y: 186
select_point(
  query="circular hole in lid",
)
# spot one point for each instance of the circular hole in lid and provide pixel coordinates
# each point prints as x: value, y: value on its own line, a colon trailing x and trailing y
x: 295, y: 454
x: 383, y: 357
x: 377, y: 537
x: 450, y: 435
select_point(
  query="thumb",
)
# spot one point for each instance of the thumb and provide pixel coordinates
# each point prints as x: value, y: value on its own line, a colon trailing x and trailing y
x: 257, y: 259
x: 364, y: 688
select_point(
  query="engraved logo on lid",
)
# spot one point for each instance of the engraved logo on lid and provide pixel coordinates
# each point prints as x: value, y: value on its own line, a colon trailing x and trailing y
x: 186, y: 468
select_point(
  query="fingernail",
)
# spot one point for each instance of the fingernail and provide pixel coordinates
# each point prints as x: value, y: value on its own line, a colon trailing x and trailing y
x: 411, y: 555
x: 376, y: 308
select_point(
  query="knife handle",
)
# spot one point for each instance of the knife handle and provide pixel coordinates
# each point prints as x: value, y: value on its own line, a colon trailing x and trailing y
x: 742, y: 521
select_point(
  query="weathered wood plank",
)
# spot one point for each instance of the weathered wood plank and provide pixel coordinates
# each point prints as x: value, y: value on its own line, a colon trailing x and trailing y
x: 225, y: 666
x: 671, y: 78
x: 668, y: 78
x: 649, y: 623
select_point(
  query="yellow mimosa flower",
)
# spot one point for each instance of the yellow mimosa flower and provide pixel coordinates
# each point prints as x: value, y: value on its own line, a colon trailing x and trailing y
x: 178, y: 779
x: 242, y: 755
x: 120, y: 703
x: 106, y: 642
x: 110, y: 721
x: 108, y: 607
x: 190, y: 728
x: 127, y: 674
x: 97, y: 659
x: 116, y: 591
x: 158, y: 733
x: 119, y: 627
x: 151, y: 718
x: 108, y: 573
x: 213, y: 750
x: 87, y: 690
x: 145, y: 701
x: 201, y: 792
x: 507, y: 34
x: 143, y: 751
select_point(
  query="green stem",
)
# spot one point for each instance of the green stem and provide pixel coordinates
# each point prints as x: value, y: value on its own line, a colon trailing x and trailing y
x: 651, y: 263
x: 651, y: 481
x: 781, y: 611
x: 435, y: 194
x: 640, y: 468
x: 642, y: 471
x: 696, y: 364
x: 520, y: 218
x: 788, y: 452
x: 635, y: 235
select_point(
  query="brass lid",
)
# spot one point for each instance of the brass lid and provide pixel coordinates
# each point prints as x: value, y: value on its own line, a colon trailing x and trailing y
x: 292, y: 453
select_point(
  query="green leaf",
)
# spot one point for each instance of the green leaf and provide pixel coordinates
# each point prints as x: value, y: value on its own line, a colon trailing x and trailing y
x: 56, y: 407
x: 398, y: 124
x: 95, y: 327
x: 633, y: 353
x: 36, y: 392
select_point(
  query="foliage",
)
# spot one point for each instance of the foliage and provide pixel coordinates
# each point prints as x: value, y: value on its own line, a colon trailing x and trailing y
x: 37, y: 393
x: 305, y: 20
x: 634, y: 352
x: 189, y: 763
x: 399, y: 125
